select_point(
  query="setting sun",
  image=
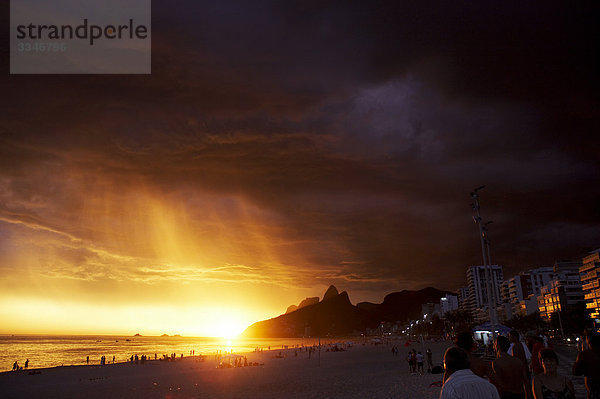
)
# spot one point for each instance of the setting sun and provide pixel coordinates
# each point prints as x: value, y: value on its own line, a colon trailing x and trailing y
x: 229, y: 329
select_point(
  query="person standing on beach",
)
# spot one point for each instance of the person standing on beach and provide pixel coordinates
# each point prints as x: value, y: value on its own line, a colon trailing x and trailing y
x: 420, y: 363
x: 588, y: 364
x: 549, y: 384
x: 581, y: 344
x: 87, y: 360
x: 509, y: 373
x: 429, y: 360
x: 517, y: 348
x: 461, y: 382
x: 464, y: 340
x: 537, y: 345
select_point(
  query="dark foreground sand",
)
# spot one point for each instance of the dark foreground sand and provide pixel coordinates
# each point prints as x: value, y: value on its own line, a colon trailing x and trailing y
x: 360, y: 372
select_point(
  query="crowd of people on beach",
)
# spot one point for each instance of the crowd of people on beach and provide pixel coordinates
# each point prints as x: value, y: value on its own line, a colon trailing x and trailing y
x: 310, y: 350
x: 134, y: 359
x: 508, y: 367
x: 416, y: 359
x: 16, y: 366
x: 519, y: 369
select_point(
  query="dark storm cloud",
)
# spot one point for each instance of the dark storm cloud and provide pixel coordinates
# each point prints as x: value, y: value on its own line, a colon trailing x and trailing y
x: 362, y: 126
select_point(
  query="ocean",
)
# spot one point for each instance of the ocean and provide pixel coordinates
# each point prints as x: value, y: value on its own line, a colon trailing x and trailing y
x: 50, y: 351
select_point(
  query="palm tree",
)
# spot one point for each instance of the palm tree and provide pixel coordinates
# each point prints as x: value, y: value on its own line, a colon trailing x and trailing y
x: 459, y: 319
x: 531, y: 322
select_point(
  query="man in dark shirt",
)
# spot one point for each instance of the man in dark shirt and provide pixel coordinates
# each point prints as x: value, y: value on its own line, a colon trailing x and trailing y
x: 588, y: 364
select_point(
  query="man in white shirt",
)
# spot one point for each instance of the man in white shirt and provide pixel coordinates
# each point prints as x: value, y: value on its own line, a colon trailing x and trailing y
x: 462, y: 383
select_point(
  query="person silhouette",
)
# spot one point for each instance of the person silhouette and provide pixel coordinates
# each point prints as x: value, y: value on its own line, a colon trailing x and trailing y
x: 550, y: 384
x: 461, y: 382
x: 509, y: 373
x: 587, y: 363
x: 429, y: 360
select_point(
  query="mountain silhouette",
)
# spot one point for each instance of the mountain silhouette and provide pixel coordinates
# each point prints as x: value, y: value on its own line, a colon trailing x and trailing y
x: 335, y: 315
x: 331, y: 292
x: 403, y: 305
x: 305, y: 302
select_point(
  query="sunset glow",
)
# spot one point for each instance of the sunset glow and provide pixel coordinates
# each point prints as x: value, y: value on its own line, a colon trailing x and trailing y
x: 46, y: 317
x: 159, y: 267
x: 278, y: 148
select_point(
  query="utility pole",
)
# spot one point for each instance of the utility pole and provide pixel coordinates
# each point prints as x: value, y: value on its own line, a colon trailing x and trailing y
x: 486, y: 265
x: 486, y: 237
x: 557, y: 309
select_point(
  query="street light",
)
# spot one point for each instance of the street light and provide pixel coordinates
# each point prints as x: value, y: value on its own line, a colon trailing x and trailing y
x: 477, y: 219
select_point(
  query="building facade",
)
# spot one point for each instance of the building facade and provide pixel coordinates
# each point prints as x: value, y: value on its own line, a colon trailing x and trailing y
x: 477, y: 284
x: 430, y: 309
x: 506, y: 306
x: 519, y: 289
x: 590, y: 273
x: 563, y: 292
x: 448, y: 303
x: 540, y: 277
x: 463, y: 298
x: 525, y: 288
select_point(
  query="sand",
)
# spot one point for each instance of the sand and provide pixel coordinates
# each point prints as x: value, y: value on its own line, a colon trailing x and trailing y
x: 359, y: 372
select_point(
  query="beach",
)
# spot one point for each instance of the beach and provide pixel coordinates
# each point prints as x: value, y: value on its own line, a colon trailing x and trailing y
x: 360, y: 371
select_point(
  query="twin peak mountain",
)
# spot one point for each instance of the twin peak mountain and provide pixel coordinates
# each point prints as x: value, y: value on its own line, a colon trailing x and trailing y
x: 335, y: 315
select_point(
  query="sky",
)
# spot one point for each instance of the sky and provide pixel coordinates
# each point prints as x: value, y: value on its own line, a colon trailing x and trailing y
x: 280, y: 147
